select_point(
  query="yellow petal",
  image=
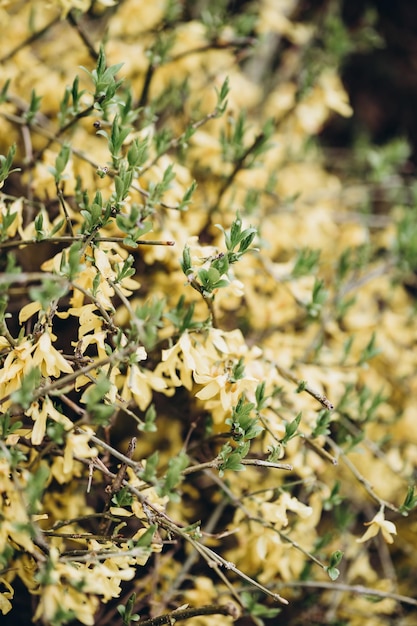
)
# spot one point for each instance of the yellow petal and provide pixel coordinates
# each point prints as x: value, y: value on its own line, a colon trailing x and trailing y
x: 28, y: 310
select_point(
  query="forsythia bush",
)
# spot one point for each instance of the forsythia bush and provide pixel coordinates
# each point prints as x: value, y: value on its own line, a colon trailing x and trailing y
x: 207, y: 335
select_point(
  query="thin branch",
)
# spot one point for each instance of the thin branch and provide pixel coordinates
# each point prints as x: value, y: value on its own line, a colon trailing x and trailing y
x: 320, y: 451
x: 193, y: 556
x: 27, y: 277
x: 17, y: 243
x: 64, y: 208
x: 216, y: 464
x: 115, y: 453
x: 239, y: 165
x: 304, y: 386
x: 176, y: 141
x: 71, y: 17
x: 29, y: 40
x: 262, y: 463
x: 147, y: 84
x: 216, y: 561
x: 42, y: 130
x: 115, y: 487
x: 161, y: 519
x: 4, y: 331
x: 184, y: 614
x: 357, y: 589
x: 360, y: 478
x: 61, y: 131
x: 239, y: 42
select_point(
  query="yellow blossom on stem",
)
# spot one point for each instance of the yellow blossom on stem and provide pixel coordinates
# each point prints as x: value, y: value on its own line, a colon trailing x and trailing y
x: 77, y: 445
x: 139, y: 383
x: 16, y: 364
x: 48, y: 359
x: 39, y: 411
x: 379, y: 523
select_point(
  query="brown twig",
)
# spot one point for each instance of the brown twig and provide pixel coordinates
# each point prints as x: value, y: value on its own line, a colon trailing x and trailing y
x: 115, y: 487
x: 17, y: 243
x: 64, y: 209
x: 304, y: 386
x: 29, y: 40
x: 356, y: 589
x: 180, y: 615
x: 71, y: 17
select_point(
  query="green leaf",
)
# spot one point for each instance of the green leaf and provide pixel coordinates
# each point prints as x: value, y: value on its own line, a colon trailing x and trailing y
x: 148, y: 475
x: 291, y: 429
x: 150, y: 416
x: 222, y: 97
x: 335, y: 559
x: 6, y: 163
x: 8, y: 425
x: 185, y: 262
x: 410, y: 500
x: 94, y: 398
x: 370, y: 350
x: 174, y: 477
x: 35, y: 487
x: 323, y: 420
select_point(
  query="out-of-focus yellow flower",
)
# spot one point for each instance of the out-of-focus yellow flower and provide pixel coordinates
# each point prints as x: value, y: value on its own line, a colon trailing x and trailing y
x: 276, y: 512
x: 274, y: 18
x: 66, y: 6
x: 327, y: 96
x: 136, y: 16
x: 379, y: 523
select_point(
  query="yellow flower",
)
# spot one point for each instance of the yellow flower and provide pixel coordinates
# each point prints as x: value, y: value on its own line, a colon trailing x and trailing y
x: 220, y: 384
x: 28, y: 310
x: 139, y: 383
x: 40, y: 414
x: 86, y: 314
x: 48, y: 359
x: 67, y: 5
x: 77, y: 444
x: 16, y: 364
x: 276, y: 512
x: 5, y: 604
x: 59, y: 596
x: 379, y: 523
